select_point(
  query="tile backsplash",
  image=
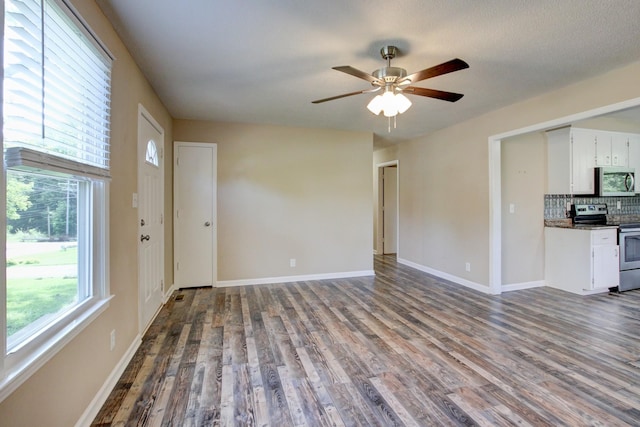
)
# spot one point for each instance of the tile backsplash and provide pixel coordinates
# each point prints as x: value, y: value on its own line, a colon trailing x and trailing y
x: 555, y: 205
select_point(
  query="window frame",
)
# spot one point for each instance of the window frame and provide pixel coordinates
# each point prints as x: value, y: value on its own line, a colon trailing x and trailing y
x: 30, y: 355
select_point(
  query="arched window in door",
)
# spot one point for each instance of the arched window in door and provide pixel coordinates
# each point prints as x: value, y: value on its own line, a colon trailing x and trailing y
x: 151, y: 156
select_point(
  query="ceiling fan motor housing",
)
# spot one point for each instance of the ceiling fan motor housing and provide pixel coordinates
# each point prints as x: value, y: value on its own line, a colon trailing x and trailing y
x: 390, y: 74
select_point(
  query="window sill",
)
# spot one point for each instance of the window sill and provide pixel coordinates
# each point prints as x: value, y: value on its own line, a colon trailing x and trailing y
x: 14, y: 376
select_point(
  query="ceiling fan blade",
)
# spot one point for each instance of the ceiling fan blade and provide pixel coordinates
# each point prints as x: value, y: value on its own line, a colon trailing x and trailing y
x: 357, y: 73
x: 438, y: 70
x: 432, y: 93
x: 344, y: 95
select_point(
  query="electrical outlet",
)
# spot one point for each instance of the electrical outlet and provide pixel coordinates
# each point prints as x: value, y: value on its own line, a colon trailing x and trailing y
x: 113, y: 340
x: 292, y: 262
x: 467, y: 266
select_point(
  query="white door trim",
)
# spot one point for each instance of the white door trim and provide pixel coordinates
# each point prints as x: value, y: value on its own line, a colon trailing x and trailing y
x: 380, y: 225
x: 495, y: 180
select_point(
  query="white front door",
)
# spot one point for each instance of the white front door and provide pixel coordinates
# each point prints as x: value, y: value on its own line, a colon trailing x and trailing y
x: 195, y: 221
x: 390, y: 210
x: 150, y: 217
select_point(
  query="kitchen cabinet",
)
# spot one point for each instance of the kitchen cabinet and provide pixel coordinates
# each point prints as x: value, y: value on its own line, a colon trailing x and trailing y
x: 612, y: 148
x: 571, y: 154
x: 582, y: 261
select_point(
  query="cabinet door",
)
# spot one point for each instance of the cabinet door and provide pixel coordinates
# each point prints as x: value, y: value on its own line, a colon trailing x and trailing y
x: 559, y: 161
x: 619, y: 149
x: 605, y: 266
x: 603, y: 148
x: 583, y: 155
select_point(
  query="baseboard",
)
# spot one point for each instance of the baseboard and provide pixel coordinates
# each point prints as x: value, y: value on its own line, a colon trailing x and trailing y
x: 286, y: 279
x: 96, y: 404
x: 168, y: 294
x: 523, y: 285
x: 450, y: 277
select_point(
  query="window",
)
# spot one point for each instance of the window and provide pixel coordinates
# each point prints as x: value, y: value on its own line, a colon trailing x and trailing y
x: 151, y: 156
x: 55, y: 123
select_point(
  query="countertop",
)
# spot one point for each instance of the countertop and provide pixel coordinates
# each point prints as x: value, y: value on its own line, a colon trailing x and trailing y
x: 567, y: 223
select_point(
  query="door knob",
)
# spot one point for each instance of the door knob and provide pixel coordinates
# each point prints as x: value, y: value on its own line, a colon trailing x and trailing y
x: 143, y: 237
x: 206, y: 224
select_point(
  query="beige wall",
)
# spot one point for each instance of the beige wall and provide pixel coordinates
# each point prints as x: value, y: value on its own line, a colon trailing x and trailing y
x: 289, y: 193
x: 62, y: 389
x: 610, y: 124
x: 524, y: 171
x: 444, y: 191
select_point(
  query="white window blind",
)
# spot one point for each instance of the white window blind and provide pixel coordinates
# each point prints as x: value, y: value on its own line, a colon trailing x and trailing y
x: 57, y: 84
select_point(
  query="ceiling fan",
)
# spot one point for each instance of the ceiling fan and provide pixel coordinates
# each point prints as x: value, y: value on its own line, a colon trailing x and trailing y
x: 395, y: 82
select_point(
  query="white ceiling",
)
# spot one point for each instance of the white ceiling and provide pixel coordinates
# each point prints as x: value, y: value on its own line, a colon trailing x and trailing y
x: 264, y: 61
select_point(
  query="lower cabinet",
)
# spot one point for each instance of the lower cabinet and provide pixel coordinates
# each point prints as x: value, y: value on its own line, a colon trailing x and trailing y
x: 582, y: 261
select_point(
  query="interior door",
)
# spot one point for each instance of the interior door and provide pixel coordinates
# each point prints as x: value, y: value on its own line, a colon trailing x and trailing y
x: 195, y: 221
x: 390, y: 210
x: 150, y: 218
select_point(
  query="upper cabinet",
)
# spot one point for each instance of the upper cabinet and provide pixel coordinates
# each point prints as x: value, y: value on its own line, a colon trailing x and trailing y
x: 573, y: 153
x: 612, y: 148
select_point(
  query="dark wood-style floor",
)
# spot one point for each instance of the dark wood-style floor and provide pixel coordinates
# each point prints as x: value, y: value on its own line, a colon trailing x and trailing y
x: 402, y: 348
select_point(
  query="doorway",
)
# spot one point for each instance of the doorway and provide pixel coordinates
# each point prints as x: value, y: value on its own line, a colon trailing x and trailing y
x: 495, y: 180
x: 195, y: 218
x: 387, y: 226
x: 150, y: 217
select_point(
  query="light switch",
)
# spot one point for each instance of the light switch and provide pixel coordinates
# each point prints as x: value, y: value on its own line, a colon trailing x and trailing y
x: 134, y: 200
x: 512, y: 208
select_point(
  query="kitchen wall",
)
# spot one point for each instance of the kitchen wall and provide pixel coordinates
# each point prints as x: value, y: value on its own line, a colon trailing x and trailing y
x: 555, y: 205
x: 60, y: 391
x: 289, y: 193
x: 524, y: 170
x: 444, y: 192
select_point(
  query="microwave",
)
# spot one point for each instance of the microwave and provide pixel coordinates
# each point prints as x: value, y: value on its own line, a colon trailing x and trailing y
x: 612, y: 181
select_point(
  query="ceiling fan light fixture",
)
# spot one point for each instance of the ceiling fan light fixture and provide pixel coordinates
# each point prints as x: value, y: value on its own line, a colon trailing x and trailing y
x: 389, y: 103
x: 375, y: 105
x: 402, y: 102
